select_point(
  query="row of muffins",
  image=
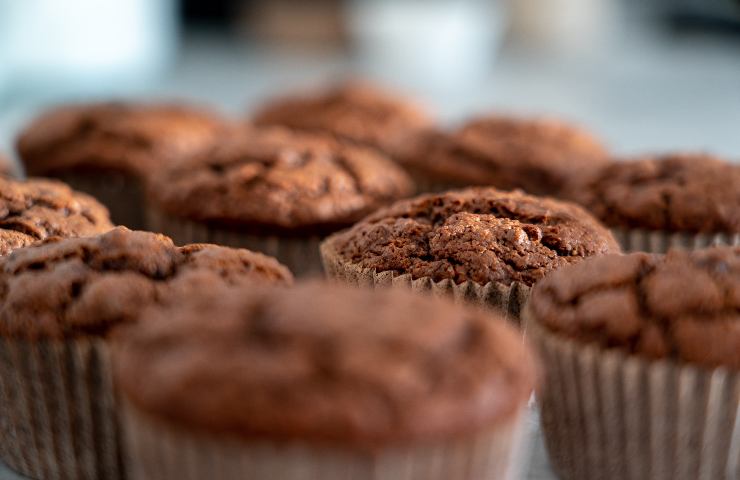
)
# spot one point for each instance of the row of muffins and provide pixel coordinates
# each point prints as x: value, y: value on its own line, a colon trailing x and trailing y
x: 437, y: 240
x: 124, y: 356
x: 340, y: 160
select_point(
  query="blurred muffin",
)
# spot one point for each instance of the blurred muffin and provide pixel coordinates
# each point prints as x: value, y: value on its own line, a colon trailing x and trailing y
x: 478, y: 244
x: 275, y: 191
x: 353, y: 111
x: 108, y: 149
x: 34, y: 210
x: 7, y: 167
x: 327, y: 380
x: 535, y: 155
x: 60, y: 304
x: 673, y: 200
x: 642, y: 357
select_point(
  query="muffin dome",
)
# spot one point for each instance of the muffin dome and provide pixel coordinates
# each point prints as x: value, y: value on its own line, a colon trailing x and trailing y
x: 324, y: 363
x: 683, y: 306
x: 477, y: 234
x: 673, y: 192
x: 352, y: 111
x: 276, y: 180
x: 66, y: 288
x: 34, y: 210
x: 536, y: 155
x: 126, y: 137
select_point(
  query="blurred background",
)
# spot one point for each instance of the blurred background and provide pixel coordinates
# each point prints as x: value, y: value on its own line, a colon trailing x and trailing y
x: 644, y: 74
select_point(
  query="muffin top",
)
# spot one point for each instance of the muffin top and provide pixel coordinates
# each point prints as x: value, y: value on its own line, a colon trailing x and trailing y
x: 536, y: 155
x: 126, y: 137
x: 352, y: 111
x: 325, y: 363
x: 683, y: 306
x: 277, y: 180
x: 477, y: 234
x: 70, y: 288
x: 673, y: 192
x: 37, y: 209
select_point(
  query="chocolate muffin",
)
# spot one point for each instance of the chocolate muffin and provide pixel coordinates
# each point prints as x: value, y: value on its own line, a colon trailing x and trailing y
x: 356, y: 112
x: 275, y: 191
x: 672, y: 200
x: 109, y: 149
x: 643, y: 365
x: 34, y: 210
x: 319, y: 378
x: 535, y: 155
x: 480, y: 244
x: 61, y: 302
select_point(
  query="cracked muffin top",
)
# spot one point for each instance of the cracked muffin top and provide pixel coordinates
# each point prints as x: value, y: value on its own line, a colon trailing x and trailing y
x: 477, y: 234
x: 127, y: 137
x: 67, y: 288
x: 535, y: 155
x: 353, y: 111
x: 673, y: 192
x: 684, y: 306
x: 278, y: 180
x: 36, y: 209
x: 325, y: 363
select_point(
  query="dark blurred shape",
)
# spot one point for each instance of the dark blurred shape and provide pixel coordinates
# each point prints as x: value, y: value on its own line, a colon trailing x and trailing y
x: 211, y: 13
x: 296, y: 23
x: 714, y: 16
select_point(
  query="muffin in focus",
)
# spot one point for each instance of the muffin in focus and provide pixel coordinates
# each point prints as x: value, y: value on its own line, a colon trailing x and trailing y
x: 61, y: 302
x: 532, y: 154
x: 478, y: 244
x: 328, y: 380
x: 109, y: 149
x: 668, y: 201
x: 642, y: 358
x: 275, y: 191
x: 355, y: 112
x: 36, y: 209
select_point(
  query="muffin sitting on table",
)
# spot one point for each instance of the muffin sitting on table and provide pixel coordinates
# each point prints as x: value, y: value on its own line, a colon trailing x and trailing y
x: 642, y: 359
x: 322, y: 381
x: 478, y: 244
x: 109, y: 149
x: 273, y: 190
x: 672, y: 200
x: 61, y: 303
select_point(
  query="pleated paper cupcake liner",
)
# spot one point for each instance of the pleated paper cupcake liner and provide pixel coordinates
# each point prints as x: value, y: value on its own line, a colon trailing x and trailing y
x: 653, y: 241
x: 121, y: 193
x: 299, y: 254
x: 608, y: 415
x: 58, y: 417
x: 159, y: 452
x: 506, y: 299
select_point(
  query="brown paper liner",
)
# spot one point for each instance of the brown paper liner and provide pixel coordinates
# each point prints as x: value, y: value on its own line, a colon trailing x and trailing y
x: 58, y: 417
x: 506, y: 299
x: 121, y: 193
x: 299, y: 254
x: 158, y: 451
x: 655, y: 241
x: 608, y: 415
